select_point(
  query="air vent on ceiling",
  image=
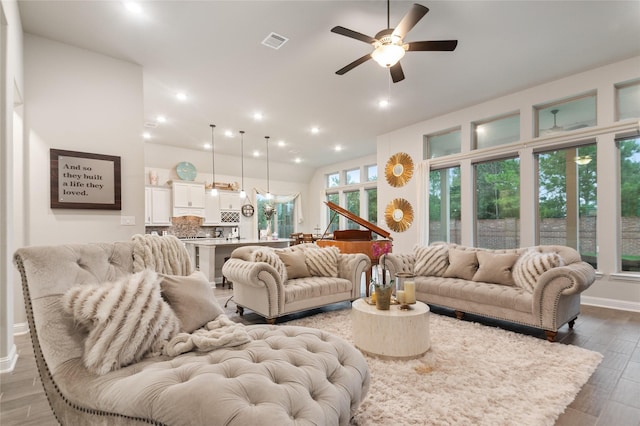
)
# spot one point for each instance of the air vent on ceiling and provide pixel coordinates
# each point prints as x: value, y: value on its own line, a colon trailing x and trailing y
x: 151, y: 124
x: 274, y: 41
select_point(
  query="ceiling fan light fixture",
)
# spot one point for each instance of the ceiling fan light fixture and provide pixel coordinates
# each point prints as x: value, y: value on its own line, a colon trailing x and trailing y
x: 387, y: 55
x: 582, y: 160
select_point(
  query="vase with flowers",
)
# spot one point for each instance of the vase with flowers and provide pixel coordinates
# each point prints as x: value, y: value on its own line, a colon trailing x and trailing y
x: 381, y: 286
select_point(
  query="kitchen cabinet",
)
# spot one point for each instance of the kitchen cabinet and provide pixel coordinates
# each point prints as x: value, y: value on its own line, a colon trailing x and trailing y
x: 157, y: 206
x: 230, y: 201
x: 188, y: 199
x: 211, y: 210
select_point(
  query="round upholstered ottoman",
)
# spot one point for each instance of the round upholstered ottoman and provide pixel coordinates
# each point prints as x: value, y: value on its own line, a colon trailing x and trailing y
x: 285, y: 375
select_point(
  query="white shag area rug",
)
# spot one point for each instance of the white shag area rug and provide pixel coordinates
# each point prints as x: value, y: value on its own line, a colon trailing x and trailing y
x: 472, y: 375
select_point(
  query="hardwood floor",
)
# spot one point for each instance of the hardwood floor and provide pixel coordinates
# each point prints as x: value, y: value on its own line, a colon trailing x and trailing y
x: 611, y: 397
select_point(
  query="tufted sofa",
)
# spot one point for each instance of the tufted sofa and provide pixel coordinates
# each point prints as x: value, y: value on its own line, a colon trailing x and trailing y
x: 501, y: 284
x: 263, y: 286
x: 283, y: 376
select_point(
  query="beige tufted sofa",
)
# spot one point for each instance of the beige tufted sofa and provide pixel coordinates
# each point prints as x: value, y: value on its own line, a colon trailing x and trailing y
x: 553, y: 301
x: 263, y: 289
x: 284, y: 376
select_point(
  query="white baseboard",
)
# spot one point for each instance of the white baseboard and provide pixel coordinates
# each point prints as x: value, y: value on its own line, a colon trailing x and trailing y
x: 621, y: 305
x: 20, y: 328
x: 8, y: 363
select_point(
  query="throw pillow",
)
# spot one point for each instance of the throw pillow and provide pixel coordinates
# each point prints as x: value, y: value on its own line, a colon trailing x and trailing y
x: 462, y: 264
x: 269, y: 256
x: 294, y: 264
x: 495, y: 267
x: 431, y: 260
x: 191, y: 298
x: 126, y: 319
x: 531, y: 265
x: 322, y: 262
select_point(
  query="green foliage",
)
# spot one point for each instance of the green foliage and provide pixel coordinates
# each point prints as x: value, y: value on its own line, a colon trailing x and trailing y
x: 498, y: 189
x: 630, y: 177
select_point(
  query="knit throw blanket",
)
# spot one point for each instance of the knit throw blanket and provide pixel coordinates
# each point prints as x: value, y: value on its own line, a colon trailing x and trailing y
x: 219, y: 333
x: 163, y: 254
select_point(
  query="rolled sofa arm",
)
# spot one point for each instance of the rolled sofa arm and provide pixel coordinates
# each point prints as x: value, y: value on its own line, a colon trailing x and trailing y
x: 351, y: 266
x: 259, y: 275
x: 396, y: 263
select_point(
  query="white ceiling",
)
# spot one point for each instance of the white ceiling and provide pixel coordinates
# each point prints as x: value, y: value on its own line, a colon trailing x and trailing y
x: 212, y: 50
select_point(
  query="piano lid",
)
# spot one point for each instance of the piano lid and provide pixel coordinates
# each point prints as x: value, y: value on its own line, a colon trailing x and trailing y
x: 357, y: 219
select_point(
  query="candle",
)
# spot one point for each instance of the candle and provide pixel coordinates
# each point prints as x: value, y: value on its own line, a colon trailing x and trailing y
x: 400, y: 296
x: 409, y: 292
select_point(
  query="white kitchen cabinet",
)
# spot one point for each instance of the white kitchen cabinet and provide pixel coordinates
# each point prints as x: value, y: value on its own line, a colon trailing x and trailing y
x: 188, y: 199
x: 230, y: 201
x: 157, y: 206
x: 211, y: 210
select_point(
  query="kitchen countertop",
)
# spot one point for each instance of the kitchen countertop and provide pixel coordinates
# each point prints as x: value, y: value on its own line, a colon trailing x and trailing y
x: 232, y: 242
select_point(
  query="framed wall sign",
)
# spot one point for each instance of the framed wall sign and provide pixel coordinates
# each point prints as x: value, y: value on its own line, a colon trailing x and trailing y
x: 81, y: 180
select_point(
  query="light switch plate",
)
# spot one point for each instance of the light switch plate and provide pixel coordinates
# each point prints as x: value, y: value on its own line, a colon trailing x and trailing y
x: 127, y: 220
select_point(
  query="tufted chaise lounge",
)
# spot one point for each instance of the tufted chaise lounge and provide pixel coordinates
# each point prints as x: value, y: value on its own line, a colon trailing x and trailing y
x: 284, y: 376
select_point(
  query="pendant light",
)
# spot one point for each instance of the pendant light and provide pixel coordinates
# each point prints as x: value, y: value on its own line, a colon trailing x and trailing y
x: 214, y: 190
x: 243, y: 194
x: 268, y: 192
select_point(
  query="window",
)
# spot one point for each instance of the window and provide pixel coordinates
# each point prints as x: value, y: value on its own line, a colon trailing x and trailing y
x: 568, y: 115
x: 353, y: 205
x: 628, y: 100
x: 630, y: 203
x: 497, y: 189
x: 372, y: 173
x: 333, y: 180
x: 567, y: 199
x: 372, y: 205
x: 353, y: 176
x: 441, y: 144
x: 496, y: 132
x: 335, y: 199
x: 282, y: 221
x: 444, y: 205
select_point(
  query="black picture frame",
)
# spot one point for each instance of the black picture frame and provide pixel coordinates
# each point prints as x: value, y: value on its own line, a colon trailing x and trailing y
x: 82, y: 180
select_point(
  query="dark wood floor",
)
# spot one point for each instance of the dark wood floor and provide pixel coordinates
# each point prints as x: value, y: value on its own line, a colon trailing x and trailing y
x: 611, y: 397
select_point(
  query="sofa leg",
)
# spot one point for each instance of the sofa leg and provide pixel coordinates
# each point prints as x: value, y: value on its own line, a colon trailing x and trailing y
x: 459, y: 314
x: 240, y: 310
x: 271, y: 321
x: 572, y: 322
x: 551, y: 335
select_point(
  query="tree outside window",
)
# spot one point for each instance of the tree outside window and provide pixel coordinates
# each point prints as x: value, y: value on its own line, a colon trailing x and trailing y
x: 630, y: 204
x: 444, y: 205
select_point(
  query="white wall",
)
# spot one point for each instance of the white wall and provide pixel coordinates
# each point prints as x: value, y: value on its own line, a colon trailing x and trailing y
x: 81, y: 101
x: 11, y: 88
x: 611, y: 289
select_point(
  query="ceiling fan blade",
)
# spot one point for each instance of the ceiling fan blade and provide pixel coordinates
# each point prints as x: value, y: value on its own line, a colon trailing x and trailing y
x: 437, y: 45
x: 354, y: 64
x: 409, y: 20
x: 353, y: 34
x: 396, y: 73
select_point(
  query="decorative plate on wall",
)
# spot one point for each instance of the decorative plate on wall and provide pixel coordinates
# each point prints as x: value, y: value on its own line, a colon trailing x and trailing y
x: 399, y: 215
x: 399, y: 169
x: 186, y: 171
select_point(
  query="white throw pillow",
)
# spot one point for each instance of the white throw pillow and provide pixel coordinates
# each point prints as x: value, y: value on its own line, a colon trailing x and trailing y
x: 531, y: 265
x: 127, y: 319
x: 431, y: 260
x: 322, y: 262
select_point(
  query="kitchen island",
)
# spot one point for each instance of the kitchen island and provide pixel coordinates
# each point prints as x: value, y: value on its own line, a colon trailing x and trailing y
x: 207, y: 254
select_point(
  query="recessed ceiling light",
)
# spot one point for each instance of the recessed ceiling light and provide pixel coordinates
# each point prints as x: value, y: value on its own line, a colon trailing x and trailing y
x: 281, y: 143
x: 146, y: 135
x: 228, y: 133
x: 257, y: 116
x: 207, y: 146
x: 161, y: 119
x: 338, y: 148
x: 383, y: 103
x: 181, y: 96
x: 297, y: 159
x: 315, y: 130
x: 133, y: 7
x: 256, y: 153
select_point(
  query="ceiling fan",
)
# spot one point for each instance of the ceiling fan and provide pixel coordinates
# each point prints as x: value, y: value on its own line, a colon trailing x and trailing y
x: 389, y: 46
x: 557, y: 128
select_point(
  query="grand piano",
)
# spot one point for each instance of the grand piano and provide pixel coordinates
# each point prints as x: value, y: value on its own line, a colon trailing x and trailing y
x: 356, y: 240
